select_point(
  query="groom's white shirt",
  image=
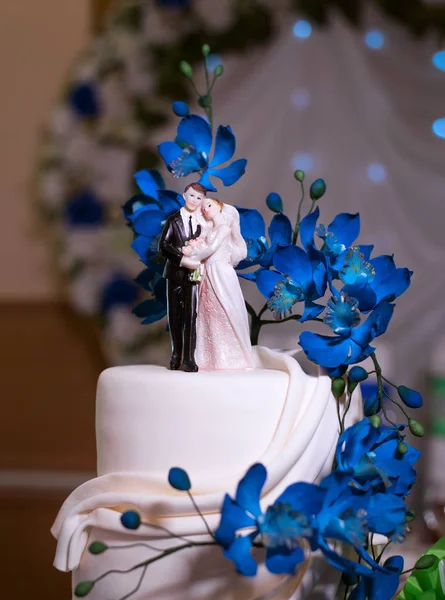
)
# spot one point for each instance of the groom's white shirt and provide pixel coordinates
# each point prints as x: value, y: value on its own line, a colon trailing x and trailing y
x: 185, y: 215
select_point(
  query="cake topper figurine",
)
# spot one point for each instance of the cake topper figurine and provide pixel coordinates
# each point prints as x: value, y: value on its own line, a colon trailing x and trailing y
x: 182, y: 294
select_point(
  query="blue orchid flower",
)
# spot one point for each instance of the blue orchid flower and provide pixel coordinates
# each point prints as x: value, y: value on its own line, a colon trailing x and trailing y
x: 336, y: 352
x: 339, y: 236
x: 383, y: 585
x: 282, y: 526
x: 291, y: 282
x: 387, y: 283
x: 253, y: 230
x: 190, y: 153
x: 370, y: 457
x: 146, y: 214
x: 343, y: 517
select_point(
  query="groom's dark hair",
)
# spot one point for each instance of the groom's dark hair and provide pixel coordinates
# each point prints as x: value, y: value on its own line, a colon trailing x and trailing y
x: 197, y: 187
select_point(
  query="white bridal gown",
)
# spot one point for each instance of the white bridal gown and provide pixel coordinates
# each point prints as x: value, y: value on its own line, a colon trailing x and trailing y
x: 222, y: 326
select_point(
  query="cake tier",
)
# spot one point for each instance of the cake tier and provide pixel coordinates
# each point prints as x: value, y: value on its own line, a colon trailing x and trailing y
x: 150, y: 419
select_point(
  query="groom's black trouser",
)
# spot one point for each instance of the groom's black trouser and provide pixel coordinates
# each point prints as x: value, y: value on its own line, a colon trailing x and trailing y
x: 182, y: 302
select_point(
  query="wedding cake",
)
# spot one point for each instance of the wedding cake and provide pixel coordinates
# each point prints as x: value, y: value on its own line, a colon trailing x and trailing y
x: 215, y: 425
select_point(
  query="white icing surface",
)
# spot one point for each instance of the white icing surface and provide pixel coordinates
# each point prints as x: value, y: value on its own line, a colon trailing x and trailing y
x: 150, y: 419
x: 296, y: 414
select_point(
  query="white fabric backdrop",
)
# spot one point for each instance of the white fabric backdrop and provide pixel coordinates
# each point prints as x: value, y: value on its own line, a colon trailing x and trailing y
x: 365, y: 106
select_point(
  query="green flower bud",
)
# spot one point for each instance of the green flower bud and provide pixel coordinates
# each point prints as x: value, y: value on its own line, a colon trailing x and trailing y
x: 416, y: 428
x: 219, y: 70
x: 186, y: 69
x: 426, y: 562
x: 375, y: 421
x: 206, y: 50
x: 338, y: 387
x: 402, y: 448
x: 83, y: 588
x: 204, y: 101
x: 97, y: 547
x: 351, y: 386
x: 317, y: 189
x: 299, y: 175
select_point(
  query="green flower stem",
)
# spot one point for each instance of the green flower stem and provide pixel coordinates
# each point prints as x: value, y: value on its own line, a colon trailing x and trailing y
x: 389, y: 382
x: 149, y: 561
x: 136, y: 545
x: 136, y: 589
x: 209, y: 110
x: 397, y: 404
x: 297, y: 224
x: 345, y: 412
x: 312, y: 207
x: 378, y: 371
x: 165, y: 530
x: 379, y: 557
x: 209, y: 531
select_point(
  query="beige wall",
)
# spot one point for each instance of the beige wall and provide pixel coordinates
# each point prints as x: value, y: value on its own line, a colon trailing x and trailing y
x: 38, y: 40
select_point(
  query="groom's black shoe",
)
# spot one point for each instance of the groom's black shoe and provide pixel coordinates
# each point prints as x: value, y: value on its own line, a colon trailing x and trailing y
x: 190, y: 367
x: 175, y: 363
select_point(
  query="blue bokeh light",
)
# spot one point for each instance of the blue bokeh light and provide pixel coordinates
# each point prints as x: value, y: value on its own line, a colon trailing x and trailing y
x: 302, y: 161
x: 301, y: 98
x: 376, y: 172
x: 439, y: 60
x: 374, y: 39
x: 302, y: 29
x: 439, y: 128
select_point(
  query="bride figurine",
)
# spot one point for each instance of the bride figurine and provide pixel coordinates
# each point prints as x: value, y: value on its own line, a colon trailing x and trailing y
x: 222, y: 327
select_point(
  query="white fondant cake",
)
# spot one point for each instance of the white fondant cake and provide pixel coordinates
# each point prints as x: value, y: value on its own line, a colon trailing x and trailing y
x: 215, y: 425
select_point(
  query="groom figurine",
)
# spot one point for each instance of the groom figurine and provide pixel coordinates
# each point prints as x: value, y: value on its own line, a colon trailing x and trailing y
x: 182, y: 293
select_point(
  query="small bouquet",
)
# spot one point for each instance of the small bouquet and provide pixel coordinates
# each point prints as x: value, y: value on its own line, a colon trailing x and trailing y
x: 192, y: 246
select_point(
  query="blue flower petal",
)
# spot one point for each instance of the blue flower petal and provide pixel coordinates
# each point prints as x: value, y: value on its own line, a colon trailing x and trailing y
x: 307, y: 228
x: 306, y: 498
x: 387, y: 515
x: 170, y: 201
x: 281, y: 560
x: 149, y: 182
x: 143, y: 247
x: 366, y: 250
x: 266, y: 258
x: 169, y: 151
x: 346, y: 228
x: 149, y: 223
x: 239, y: 553
x: 137, y: 204
x: 249, y: 489
x: 280, y: 230
x: 225, y: 146
x: 384, y: 586
x: 375, y: 325
x: 293, y: 261
x: 233, y: 517
x: 410, y: 397
x: 251, y: 223
x: 230, y: 174
x: 251, y: 276
x: 311, y: 311
x: 329, y: 351
x: 345, y: 565
x: 205, y: 181
x: 266, y: 281
x: 150, y: 310
x: 195, y: 131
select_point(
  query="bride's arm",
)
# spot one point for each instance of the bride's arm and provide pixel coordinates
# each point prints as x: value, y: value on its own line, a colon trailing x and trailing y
x: 221, y: 234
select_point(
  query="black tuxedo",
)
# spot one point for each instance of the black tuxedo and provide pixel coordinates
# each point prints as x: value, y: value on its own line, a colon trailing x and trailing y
x: 182, y: 294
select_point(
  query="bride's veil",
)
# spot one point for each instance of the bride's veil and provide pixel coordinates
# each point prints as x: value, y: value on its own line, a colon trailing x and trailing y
x: 238, y: 245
